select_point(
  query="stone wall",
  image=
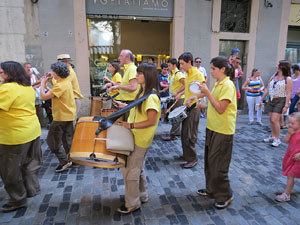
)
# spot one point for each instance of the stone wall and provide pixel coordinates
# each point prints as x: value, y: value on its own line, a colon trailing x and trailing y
x: 12, y: 30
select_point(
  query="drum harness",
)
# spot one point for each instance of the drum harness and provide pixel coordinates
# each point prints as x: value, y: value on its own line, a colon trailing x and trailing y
x: 106, y: 122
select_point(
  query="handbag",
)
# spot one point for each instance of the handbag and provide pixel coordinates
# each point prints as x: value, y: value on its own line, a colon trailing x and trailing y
x: 119, y: 140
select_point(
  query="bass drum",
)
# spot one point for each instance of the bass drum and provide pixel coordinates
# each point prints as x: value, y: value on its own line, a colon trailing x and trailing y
x: 89, y: 150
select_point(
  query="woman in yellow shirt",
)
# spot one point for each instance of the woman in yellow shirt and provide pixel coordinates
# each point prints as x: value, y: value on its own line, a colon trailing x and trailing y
x: 114, y: 69
x: 20, y: 131
x: 221, y: 119
x: 143, y: 120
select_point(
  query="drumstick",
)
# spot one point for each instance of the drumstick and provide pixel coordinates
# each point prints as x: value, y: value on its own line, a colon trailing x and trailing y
x: 168, y: 110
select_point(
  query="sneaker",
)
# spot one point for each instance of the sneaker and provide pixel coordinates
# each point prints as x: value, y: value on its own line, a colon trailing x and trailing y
x: 223, y: 205
x: 61, y: 168
x: 260, y: 124
x: 276, y: 142
x: 123, y: 209
x: 202, y: 192
x: 189, y: 165
x: 269, y: 139
x: 9, y: 208
x: 250, y: 123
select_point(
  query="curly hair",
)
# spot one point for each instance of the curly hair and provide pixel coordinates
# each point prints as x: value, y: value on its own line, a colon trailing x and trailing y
x: 60, y: 69
x: 15, y: 73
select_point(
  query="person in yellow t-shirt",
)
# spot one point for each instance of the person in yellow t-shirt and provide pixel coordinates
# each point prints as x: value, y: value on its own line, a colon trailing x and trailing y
x: 20, y: 131
x: 64, y: 113
x: 221, y: 120
x: 189, y: 128
x: 66, y: 59
x: 177, y: 85
x: 143, y: 120
x: 129, y: 86
x: 114, y: 69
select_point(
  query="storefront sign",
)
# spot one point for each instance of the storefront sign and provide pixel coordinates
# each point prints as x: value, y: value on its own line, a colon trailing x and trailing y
x: 295, y: 15
x: 143, y: 8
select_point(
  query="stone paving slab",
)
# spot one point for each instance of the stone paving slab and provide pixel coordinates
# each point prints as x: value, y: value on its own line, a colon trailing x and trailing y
x: 86, y: 195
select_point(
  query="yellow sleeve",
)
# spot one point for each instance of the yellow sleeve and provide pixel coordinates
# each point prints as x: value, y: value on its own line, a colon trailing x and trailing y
x: 7, y: 96
x: 152, y: 102
x: 117, y: 78
x: 57, y: 90
x: 131, y: 73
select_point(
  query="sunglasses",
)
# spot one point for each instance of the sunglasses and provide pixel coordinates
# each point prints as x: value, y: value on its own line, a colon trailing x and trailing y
x: 275, y: 82
x: 198, y: 61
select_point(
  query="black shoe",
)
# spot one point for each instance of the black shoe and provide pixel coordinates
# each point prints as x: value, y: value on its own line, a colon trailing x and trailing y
x: 123, y: 209
x: 61, y: 168
x: 9, y: 208
x: 223, y: 205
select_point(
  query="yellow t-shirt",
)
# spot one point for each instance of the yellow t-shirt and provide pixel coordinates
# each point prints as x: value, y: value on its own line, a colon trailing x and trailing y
x: 175, y: 82
x: 129, y: 74
x: 143, y: 137
x: 63, y: 104
x: 117, y: 78
x: 223, y: 123
x: 192, y: 75
x: 75, y: 85
x: 18, y: 121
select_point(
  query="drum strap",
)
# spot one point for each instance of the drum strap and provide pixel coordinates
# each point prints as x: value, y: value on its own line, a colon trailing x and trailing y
x: 115, y: 95
x: 106, y: 122
x: 189, y: 109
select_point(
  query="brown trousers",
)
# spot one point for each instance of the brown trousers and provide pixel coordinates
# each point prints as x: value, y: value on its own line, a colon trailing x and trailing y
x: 134, y: 176
x: 19, y: 167
x: 218, y: 150
x: 60, y: 132
x: 175, y: 130
x: 189, y: 134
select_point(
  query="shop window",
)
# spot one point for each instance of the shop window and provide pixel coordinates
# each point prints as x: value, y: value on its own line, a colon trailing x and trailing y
x: 292, y: 54
x: 235, y: 16
x: 104, y: 47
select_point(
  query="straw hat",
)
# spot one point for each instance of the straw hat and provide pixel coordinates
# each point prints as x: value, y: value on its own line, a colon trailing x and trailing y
x: 64, y: 57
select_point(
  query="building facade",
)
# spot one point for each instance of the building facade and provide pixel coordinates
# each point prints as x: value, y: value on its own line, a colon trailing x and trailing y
x: 94, y: 31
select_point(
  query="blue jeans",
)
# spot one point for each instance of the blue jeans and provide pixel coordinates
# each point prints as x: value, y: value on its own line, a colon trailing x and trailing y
x: 293, y: 104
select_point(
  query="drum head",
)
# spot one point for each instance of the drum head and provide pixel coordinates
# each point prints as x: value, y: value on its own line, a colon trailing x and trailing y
x: 194, y: 88
x: 177, y: 111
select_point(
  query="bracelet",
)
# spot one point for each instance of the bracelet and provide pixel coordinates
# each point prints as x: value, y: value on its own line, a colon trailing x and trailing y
x: 131, y: 125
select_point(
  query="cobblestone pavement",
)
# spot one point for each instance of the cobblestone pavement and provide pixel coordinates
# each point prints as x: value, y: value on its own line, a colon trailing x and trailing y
x: 87, y: 195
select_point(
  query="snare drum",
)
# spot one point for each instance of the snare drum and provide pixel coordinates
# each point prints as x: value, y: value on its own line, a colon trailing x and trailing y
x: 194, y: 87
x: 167, y: 99
x: 89, y: 150
x: 178, y: 114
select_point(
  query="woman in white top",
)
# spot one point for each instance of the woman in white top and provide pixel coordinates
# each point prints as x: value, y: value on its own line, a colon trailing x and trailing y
x: 279, y: 90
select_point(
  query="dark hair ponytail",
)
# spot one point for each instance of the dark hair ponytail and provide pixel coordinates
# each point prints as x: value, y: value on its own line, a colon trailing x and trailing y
x: 151, y: 80
x: 220, y: 62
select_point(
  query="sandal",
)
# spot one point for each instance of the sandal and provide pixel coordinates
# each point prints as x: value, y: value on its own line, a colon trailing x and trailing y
x: 283, y: 197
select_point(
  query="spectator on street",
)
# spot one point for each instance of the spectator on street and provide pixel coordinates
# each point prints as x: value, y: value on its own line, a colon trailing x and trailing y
x: 291, y: 160
x: 254, y: 86
x: 279, y: 90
